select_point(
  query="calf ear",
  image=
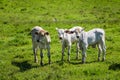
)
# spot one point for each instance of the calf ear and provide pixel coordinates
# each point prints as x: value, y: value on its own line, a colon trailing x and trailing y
x: 46, y: 33
x: 83, y: 29
x: 71, y: 32
x: 66, y: 31
x: 56, y: 28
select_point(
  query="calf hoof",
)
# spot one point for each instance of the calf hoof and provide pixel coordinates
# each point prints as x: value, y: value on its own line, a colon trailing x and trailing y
x: 98, y: 59
x: 68, y: 60
x: 103, y: 59
x: 49, y: 62
x: 83, y: 62
x: 35, y: 61
x: 41, y: 64
x: 77, y: 58
x: 62, y: 60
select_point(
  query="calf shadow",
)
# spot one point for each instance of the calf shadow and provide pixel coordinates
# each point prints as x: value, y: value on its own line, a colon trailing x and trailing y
x: 75, y: 63
x: 93, y: 62
x: 24, y: 65
x: 114, y: 66
x: 80, y: 62
x: 59, y: 62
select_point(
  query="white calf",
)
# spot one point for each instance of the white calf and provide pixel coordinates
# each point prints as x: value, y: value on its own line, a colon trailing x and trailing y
x: 67, y: 38
x: 93, y: 37
x: 41, y: 39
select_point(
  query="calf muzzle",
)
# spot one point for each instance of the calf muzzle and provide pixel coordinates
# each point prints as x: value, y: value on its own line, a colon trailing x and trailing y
x: 60, y: 38
x: 77, y: 36
x: 38, y: 41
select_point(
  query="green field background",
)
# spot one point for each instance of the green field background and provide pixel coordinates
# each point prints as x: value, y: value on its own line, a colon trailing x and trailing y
x: 18, y: 17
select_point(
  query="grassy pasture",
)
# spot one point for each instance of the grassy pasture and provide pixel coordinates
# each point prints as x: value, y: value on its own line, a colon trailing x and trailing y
x: 18, y: 17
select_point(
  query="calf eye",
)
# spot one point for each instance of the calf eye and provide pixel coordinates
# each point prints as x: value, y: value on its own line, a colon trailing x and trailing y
x: 36, y: 33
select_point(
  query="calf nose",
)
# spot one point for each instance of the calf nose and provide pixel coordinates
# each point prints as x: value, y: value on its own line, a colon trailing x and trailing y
x: 60, y: 38
x: 37, y: 40
x: 77, y: 36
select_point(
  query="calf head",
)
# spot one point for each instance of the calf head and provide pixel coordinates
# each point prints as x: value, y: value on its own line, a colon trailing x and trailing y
x: 42, y: 36
x: 78, y: 31
x: 60, y: 33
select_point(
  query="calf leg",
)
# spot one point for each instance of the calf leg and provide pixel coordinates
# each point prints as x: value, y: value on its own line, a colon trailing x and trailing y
x: 104, y: 51
x: 99, y: 51
x: 83, y: 55
x: 41, y: 55
x: 77, y: 51
x: 49, y: 56
x: 69, y: 49
x: 63, y: 49
x: 103, y: 47
x: 35, y: 54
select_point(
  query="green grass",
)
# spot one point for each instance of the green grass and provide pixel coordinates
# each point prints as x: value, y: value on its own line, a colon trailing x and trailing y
x: 18, y: 17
